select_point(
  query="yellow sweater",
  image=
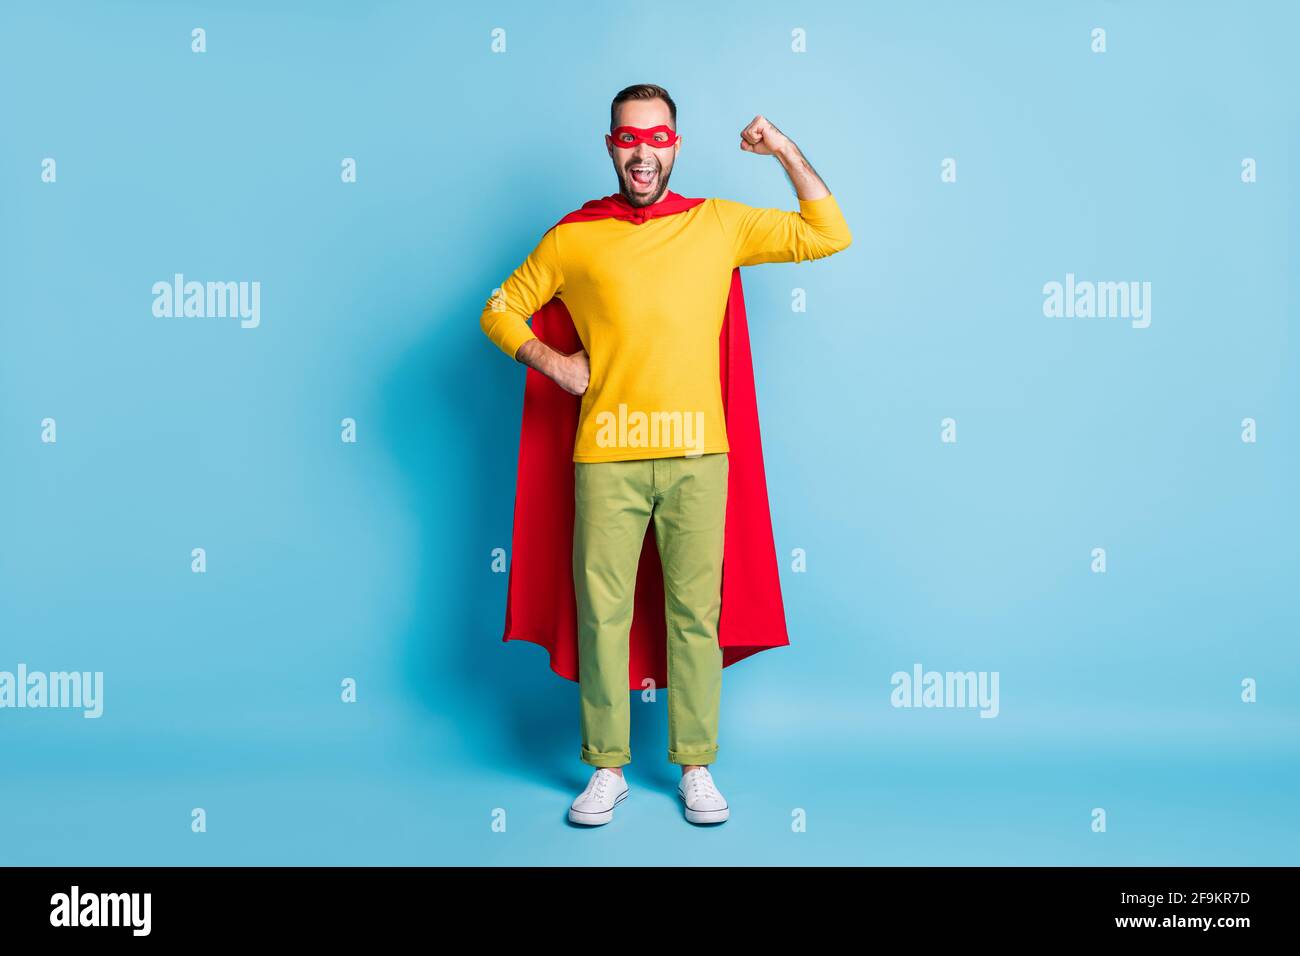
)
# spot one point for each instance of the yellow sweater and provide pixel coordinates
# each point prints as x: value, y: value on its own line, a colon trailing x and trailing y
x: 648, y: 300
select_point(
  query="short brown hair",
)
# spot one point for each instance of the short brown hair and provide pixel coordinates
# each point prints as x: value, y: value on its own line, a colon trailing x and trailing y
x: 642, y: 91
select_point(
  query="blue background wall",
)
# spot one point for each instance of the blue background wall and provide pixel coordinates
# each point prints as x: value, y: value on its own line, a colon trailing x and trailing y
x: 371, y: 560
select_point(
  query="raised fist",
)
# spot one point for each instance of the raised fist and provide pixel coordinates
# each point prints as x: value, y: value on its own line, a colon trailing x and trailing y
x: 762, y: 137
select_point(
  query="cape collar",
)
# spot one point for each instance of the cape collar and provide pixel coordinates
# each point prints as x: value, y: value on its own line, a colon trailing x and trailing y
x: 616, y: 206
x: 667, y: 204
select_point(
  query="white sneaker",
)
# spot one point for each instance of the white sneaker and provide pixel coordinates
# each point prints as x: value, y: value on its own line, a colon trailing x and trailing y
x: 703, y: 802
x: 595, y: 805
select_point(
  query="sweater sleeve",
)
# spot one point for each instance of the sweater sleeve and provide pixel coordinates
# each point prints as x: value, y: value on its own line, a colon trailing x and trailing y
x: 506, y: 314
x: 759, y: 235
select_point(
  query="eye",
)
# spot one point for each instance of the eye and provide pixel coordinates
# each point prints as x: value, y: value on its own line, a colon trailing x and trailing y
x: 661, y: 137
x: 625, y: 137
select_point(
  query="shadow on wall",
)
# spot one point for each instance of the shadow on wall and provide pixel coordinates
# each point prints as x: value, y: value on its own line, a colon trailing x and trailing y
x: 462, y: 399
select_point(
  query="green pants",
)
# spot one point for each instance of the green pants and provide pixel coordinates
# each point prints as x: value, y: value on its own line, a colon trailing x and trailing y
x: 614, y: 501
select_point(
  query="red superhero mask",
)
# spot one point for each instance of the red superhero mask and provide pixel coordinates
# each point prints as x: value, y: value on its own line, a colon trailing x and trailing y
x: 638, y: 135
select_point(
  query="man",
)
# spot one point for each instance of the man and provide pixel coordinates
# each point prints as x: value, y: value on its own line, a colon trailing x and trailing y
x: 647, y: 294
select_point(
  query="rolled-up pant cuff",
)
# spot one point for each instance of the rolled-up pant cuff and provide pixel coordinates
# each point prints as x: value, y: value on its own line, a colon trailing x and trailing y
x: 701, y: 758
x: 605, y: 760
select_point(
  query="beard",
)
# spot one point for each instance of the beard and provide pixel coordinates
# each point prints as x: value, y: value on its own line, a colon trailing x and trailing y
x: 633, y: 193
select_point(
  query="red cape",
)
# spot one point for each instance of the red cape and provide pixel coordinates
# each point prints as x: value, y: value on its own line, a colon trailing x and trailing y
x: 540, y: 603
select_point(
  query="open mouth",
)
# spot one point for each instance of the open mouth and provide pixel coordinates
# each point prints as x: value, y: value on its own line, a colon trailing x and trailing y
x: 643, y: 175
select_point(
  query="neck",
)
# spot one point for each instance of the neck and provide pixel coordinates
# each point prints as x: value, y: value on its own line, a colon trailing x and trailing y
x: 622, y: 194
